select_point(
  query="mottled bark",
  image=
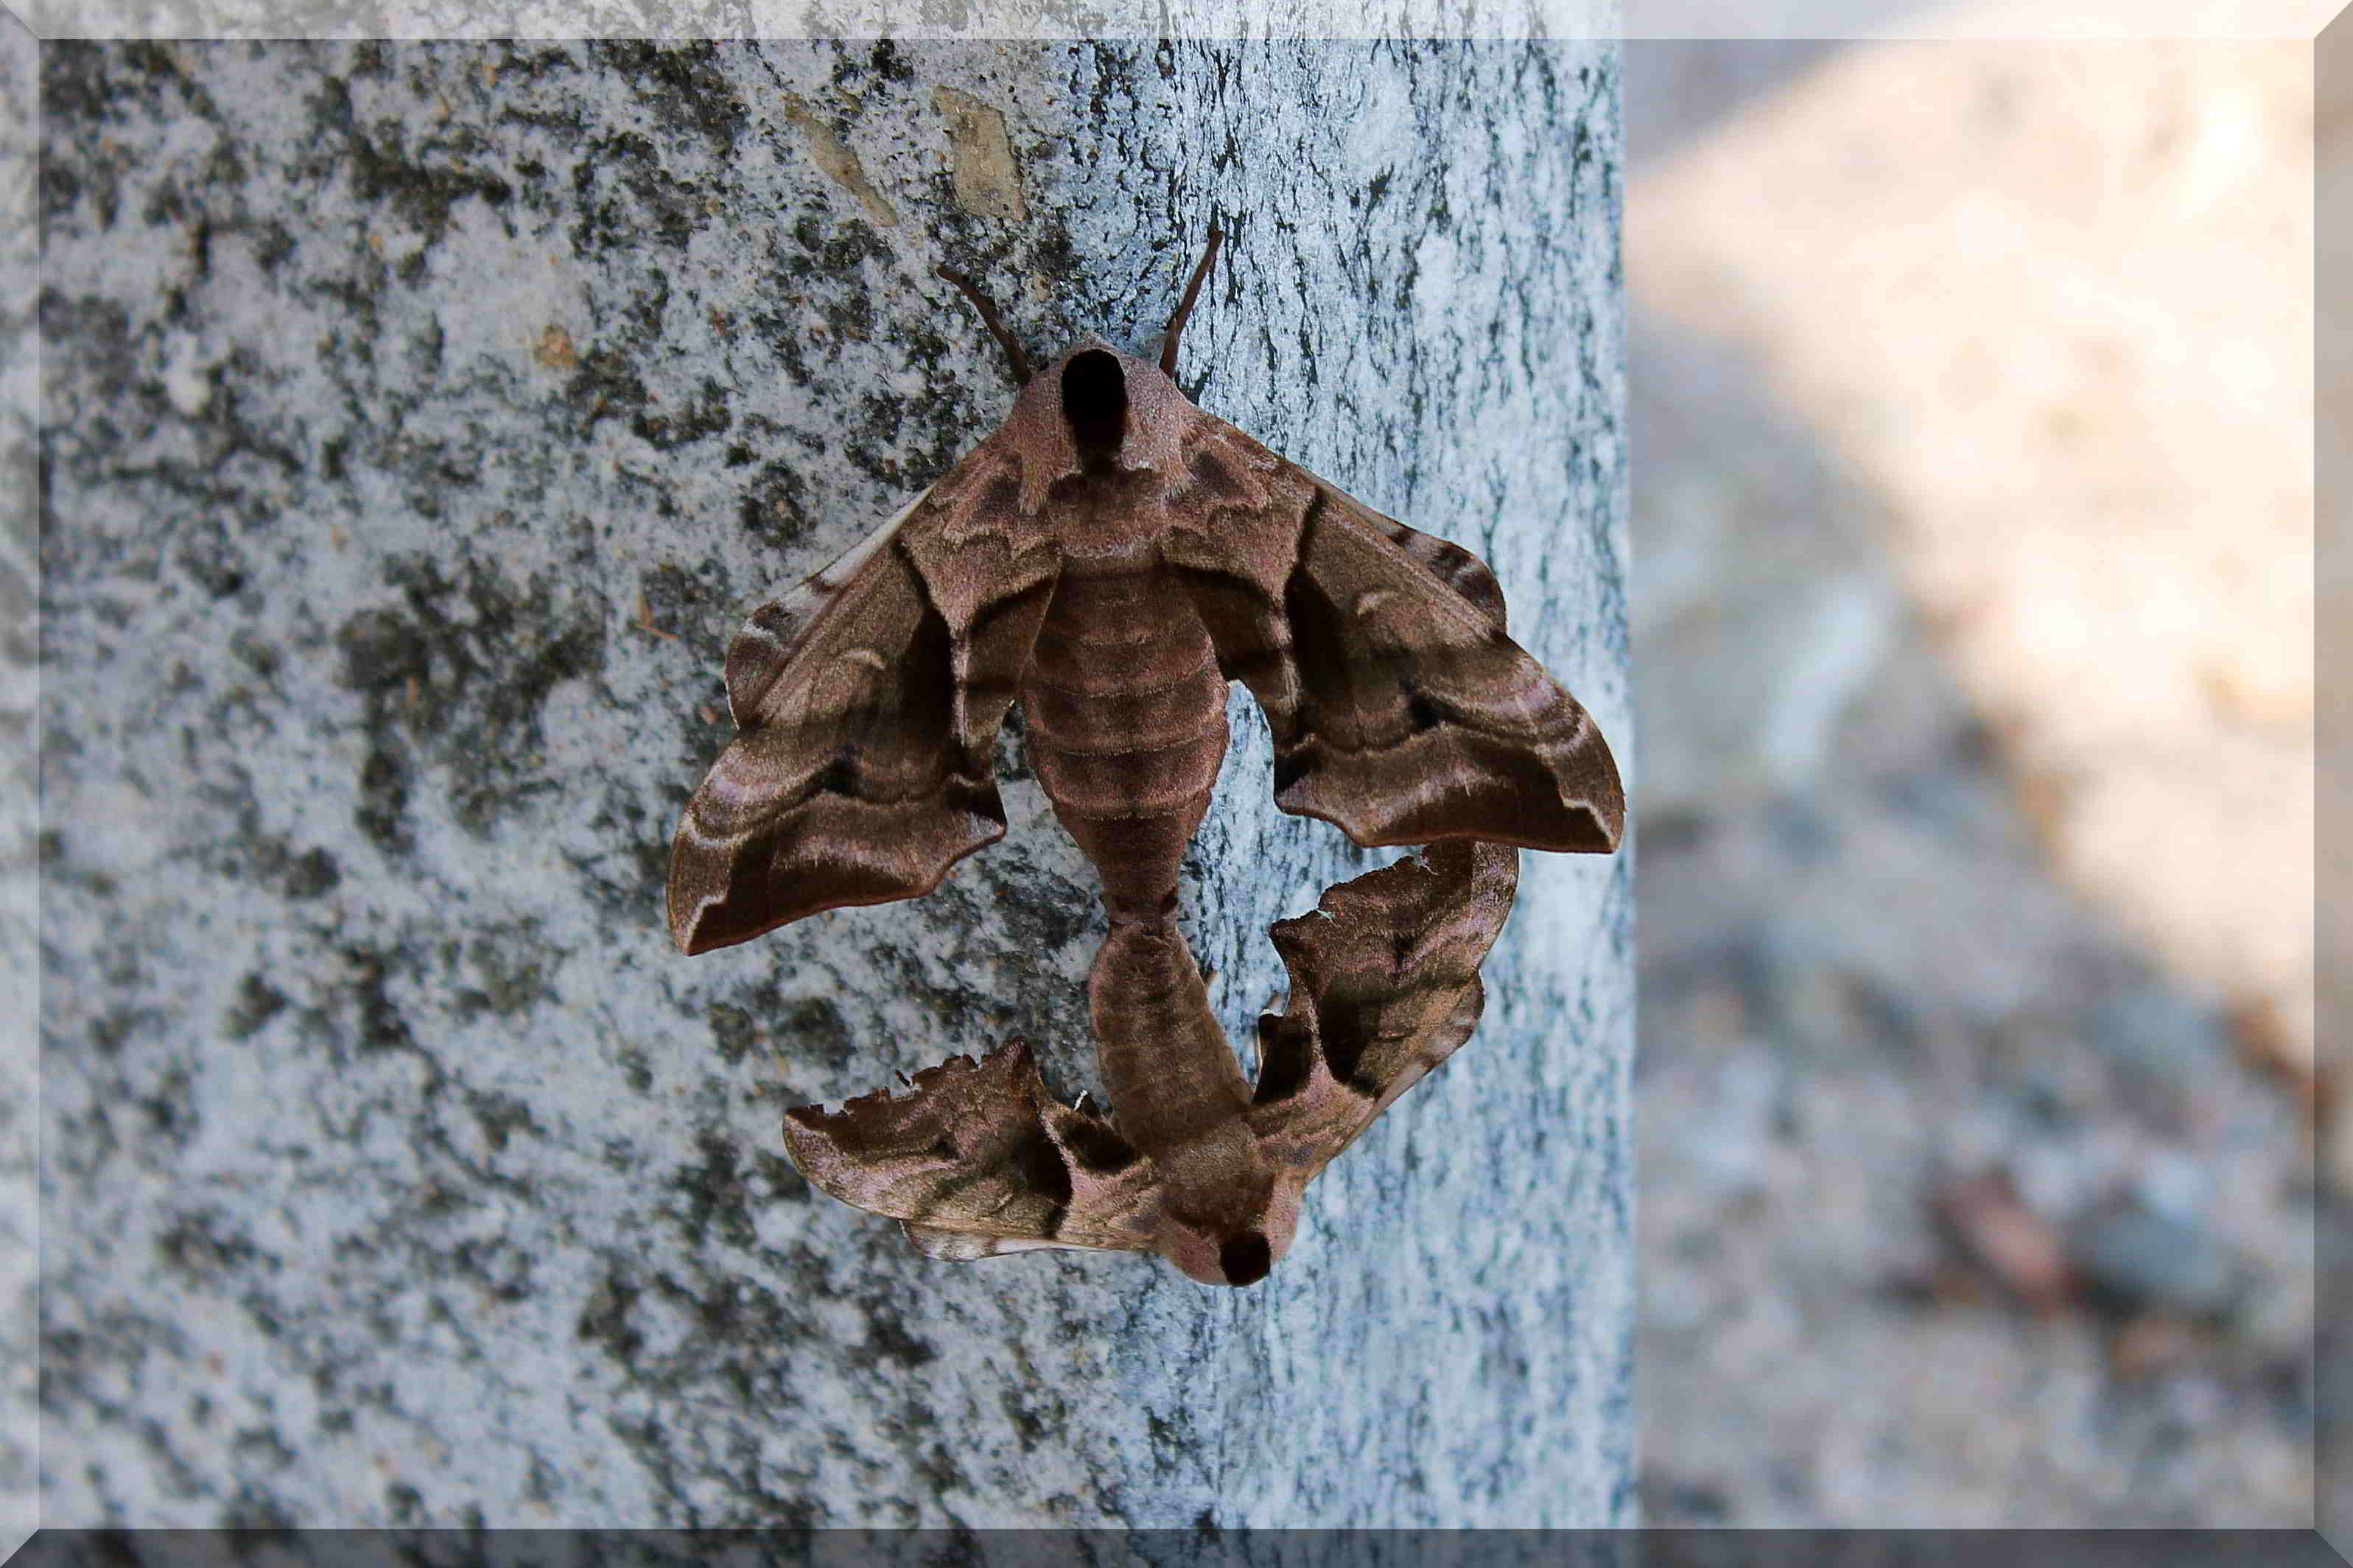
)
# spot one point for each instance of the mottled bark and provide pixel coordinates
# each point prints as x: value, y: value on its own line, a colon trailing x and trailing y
x: 420, y: 420
x: 20, y: 827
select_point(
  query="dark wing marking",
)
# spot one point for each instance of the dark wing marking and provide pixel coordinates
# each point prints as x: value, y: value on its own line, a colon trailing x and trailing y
x: 978, y: 1159
x: 866, y: 703
x: 1384, y: 985
x: 1469, y: 576
x: 1401, y: 709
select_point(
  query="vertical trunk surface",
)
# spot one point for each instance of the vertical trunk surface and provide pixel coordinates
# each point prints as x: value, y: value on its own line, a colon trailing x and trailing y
x: 420, y: 421
x: 19, y: 804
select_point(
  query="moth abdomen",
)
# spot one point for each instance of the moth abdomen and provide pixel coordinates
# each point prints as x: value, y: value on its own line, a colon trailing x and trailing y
x: 1125, y: 713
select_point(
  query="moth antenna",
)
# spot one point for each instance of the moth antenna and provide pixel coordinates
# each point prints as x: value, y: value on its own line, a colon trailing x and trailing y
x: 1184, y: 305
x: 1014, y: 356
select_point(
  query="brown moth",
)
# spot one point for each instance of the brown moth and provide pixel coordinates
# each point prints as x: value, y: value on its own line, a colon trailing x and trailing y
x: 1109, y: 558
x: 1194, y: 1163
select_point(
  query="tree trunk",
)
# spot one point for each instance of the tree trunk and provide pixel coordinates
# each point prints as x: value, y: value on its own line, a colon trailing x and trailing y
x: 19, y: 795
x: 420, y: 421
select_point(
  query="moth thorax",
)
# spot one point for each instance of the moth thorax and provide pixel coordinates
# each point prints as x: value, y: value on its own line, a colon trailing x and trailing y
x: 1094, y: 402
x: 1224, y: 1220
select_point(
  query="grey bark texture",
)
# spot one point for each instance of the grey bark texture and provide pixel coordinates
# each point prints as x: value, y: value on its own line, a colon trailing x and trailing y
x: 19, y: 829
x: 420, y: 421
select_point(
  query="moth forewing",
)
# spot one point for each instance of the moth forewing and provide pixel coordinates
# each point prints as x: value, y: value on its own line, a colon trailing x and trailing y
x: 1402, y: 711
x: 866, y: 703
x: 1384, y: 985
x: 980, y: 1150
x: 965, y: 1246
x: 763, y: 646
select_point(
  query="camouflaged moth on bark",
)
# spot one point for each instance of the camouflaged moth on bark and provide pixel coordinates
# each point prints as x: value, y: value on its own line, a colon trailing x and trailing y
x: 1109, y: 558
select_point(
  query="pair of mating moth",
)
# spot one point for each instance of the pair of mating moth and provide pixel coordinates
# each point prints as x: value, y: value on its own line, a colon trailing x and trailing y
x: 1109, y: 559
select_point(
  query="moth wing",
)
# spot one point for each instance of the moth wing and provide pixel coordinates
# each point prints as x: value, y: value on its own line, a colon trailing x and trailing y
x: 1472, y: 579
x: 959, y: 1246
x: 980, y: 1159
x: 1383, y: 986
x: 866, y: 703
x: 1402, y: 711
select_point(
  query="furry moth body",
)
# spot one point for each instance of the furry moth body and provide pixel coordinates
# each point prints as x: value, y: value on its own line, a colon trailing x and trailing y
x: 1109, y: 558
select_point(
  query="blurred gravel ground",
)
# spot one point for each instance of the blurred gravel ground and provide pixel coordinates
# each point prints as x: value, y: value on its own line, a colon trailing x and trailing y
x: 1964, y: 1203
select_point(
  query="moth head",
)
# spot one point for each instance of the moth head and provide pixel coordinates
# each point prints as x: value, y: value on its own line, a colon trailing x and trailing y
x: 1238, y: 1246
x: 1096, y: 407
x: 1092, y: 383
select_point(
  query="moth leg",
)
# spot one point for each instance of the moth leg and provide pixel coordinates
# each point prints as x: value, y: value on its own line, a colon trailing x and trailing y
x: 1014, y: 356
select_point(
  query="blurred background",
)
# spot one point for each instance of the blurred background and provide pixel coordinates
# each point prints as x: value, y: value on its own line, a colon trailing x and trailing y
x: 1972, y: 409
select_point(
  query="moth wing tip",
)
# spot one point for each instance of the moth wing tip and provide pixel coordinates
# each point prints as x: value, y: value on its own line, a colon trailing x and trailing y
x: 1608, y: 816
x: 687, y: 931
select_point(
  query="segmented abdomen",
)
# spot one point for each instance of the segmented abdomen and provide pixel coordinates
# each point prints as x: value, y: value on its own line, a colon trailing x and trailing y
x: 1126, y: 715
